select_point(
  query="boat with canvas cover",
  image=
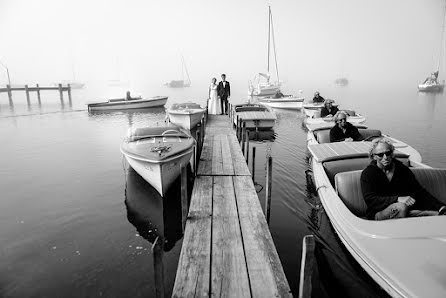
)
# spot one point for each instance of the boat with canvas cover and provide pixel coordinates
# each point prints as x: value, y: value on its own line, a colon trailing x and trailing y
x: 157, y: 154
x: 289, y: 102
x: 406, y: 256
x: 126, y: 104
x: 186, y: 115
x: 255, y: 115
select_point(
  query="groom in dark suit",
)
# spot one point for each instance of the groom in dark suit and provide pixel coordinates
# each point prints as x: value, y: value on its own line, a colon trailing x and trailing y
x: 224, y: 91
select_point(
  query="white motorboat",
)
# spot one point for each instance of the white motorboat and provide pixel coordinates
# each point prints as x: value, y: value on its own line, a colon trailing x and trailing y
x: 289, y: 102
x: 255, y: 116
x: 432, y: 86
x: 124, y: 104
x: 404, y: 256
x: 186, y: 115
x: 352, y: 117
x: 158, y: 153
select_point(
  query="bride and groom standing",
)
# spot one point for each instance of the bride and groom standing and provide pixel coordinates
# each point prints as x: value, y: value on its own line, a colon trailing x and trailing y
x: 218, y: 96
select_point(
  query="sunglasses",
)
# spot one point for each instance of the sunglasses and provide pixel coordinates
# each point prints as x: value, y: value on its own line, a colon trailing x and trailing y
x: 381, y: 155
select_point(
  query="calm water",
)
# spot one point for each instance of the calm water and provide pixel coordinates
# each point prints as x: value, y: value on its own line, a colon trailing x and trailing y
x: 77, y: 222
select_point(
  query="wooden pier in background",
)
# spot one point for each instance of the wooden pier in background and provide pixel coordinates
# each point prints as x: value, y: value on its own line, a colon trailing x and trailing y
x: 227, y: 248
x: 27, y: 88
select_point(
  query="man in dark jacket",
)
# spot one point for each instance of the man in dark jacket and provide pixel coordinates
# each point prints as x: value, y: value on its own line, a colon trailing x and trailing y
x: 343, y: 130
x: 318, y: 98
x: 329, y: 109
x: 224, y: 91
x: 391, y: 190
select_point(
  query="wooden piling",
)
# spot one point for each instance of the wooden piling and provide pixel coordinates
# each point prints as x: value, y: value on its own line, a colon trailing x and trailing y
x: 69, y: 94
x: 306, y: 266
x: 247, y: 146
x: 38, y: 93
x: 158, y: 264
x: 243, y: 136
x: 269, y: 168
x: 9, y: 92
x: 237, y: 128
x: 253, y: 172
x: 27, y: 94
x: 61, y: 92
x: 184, y: 200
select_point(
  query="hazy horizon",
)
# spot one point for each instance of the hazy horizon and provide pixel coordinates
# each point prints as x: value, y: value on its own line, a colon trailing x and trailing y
x: 142, y: 41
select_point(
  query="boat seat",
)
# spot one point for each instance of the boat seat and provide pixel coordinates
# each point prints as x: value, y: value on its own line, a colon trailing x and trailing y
x: 334, y: 167
x: 348, y: 186
x: 323, y: 136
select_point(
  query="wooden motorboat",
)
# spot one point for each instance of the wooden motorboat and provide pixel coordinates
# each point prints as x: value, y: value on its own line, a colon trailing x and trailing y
x: 185, y: 115
x: 289, y: 102
x: 431, y: 87
x: 352, y: 117
x: 124, y: 104
x: 404, y: 256
x: 255, y: 116
x: 313, y: 109
x: 157, y: 154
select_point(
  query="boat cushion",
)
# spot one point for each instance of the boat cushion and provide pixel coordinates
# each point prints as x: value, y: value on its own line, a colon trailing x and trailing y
x: 323, y: 136
x: 348, y: 186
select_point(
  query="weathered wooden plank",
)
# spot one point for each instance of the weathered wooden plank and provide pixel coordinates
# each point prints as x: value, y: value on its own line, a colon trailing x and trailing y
x: 217, y: 159
x: 264, y: 267
x: 306, y: 266
x: 228, y: 168
x: 205, y: 164
x: 193, y: 273
x: 238, y: 161
x: 229, y: 272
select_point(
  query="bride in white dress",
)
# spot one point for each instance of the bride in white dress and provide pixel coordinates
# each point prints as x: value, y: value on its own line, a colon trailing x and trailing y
x: 214, y: 106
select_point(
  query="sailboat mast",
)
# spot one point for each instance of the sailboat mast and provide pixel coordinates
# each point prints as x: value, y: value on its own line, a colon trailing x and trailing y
x: 274, y: 45
x: 185, y: 69
x: 440, y: 53
x: 269, y: 33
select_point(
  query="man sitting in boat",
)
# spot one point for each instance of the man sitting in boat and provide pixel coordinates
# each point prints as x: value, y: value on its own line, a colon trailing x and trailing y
x: 129, y: 97
x: 344, y: 131
x: 318, y: 98
x: 433, y: 79
x: 328, y: 109
x: 391, y: 190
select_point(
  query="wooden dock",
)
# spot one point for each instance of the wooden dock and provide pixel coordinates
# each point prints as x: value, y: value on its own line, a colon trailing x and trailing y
x: 227, y: 248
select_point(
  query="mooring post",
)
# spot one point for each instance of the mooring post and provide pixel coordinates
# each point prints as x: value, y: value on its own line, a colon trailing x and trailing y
x: 253, y: 163
x: 247, y: 146
x: 184, y: 200
x: 269, y: 168
x: 9, y: 92
x: 27, y: 94
x: 243, y: 136
x: 237, y: 128
x: 38, y: 92
x: 203, y: 129
x: 61, y: 92
x: 198, y: 137
x: 69, y: 94
x: 158, y: 264
x: 306, y: 266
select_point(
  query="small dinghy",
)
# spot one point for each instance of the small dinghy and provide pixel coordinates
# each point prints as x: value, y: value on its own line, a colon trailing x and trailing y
x: 256, y: 116
x: 124, y: 104
x: 157, y: 154
x: 185, y: 115
x: 288, y: 102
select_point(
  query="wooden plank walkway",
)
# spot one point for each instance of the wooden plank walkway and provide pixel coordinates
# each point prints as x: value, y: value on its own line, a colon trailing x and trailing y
x: 227, y: 248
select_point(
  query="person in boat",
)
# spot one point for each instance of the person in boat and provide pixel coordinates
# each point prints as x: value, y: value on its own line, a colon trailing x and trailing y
x: 344, y: 131
x: 391, y: 190
x: 278, y: 94
x: 318, y: 98
x: 329, y: 110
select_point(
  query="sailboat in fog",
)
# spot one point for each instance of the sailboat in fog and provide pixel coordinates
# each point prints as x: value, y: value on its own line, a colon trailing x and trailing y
x: 431, y: 83
x: 185, y: 81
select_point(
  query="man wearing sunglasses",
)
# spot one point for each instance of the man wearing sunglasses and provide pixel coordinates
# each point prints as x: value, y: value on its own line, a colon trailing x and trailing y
x: 343, y: 130
x: 391, y: 190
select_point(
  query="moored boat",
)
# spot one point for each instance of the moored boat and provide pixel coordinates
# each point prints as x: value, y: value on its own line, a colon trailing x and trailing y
x: 185, y: 115
x: 157, y: 154
x: 124, y: 104
x: 289, y: 102
x: 255, y: 116
x: 433, y: 86
x: 352, y: 117
x: 404, y: 256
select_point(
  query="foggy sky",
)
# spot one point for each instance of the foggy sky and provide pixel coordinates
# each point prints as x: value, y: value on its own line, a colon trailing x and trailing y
x: 136, y: 40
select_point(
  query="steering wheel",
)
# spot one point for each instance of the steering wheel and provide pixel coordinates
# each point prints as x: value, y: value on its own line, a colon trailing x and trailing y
x: 369, y: 138
x: 170, y: 131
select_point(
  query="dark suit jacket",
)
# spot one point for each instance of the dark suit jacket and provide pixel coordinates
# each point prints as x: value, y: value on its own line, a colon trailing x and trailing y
x: 325, y: 112
x: 337, y: 135
x: 225, y: 91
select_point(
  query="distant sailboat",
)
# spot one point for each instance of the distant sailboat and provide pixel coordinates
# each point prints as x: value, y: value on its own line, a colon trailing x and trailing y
x: 261, y: 84
x: 431, y: 83
x: 181, y: 83
x: 341, y: 82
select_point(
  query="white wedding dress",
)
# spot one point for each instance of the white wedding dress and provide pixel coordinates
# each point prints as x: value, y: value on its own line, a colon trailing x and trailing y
x: 214, y: 107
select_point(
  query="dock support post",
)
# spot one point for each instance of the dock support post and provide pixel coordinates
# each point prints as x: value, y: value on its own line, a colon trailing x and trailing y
x: 199, y: 144
x: 38, y: 93
x: 9, y: 92
x: 269, y: 168
x: 253, y: 172
x: 243, y: 136
x: 27, y: 94
x: 237, y: 129
x: 158, y: 252
x: 247, y: 147
x: 61, y: 92
x: 306, y: 266
x: 184, y: 203
x: 69, y: 95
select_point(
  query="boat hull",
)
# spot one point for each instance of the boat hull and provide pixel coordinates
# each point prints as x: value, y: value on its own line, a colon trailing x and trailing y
x: 289, y: 103
x: 255, y: 116
x: 431, y: 88
x: 158, y: 101
x: 187, y: 119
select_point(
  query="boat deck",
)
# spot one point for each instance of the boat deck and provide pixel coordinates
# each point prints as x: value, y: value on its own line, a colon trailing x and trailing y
x: 256, y: 115
x: 227, y: 248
